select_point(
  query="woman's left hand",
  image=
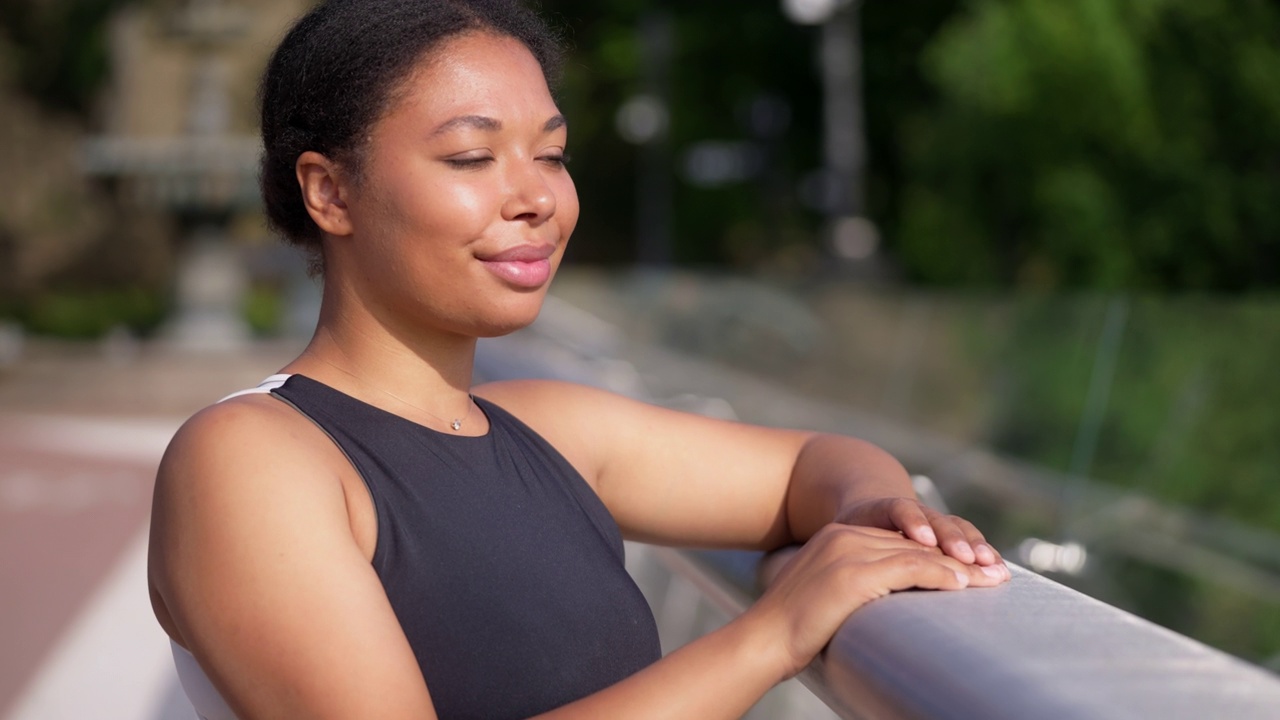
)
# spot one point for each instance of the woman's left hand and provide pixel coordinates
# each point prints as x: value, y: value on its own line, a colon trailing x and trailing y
x: 955, y: 536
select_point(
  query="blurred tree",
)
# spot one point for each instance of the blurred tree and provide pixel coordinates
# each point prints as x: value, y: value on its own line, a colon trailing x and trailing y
x: 1028, y: 143
x: 721, y: 65
x: 71, y: 262
x: 1102, y: 143
x: 58, y: 49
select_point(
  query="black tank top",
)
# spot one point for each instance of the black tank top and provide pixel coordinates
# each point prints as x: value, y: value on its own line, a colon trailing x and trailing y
x: 503, y: 567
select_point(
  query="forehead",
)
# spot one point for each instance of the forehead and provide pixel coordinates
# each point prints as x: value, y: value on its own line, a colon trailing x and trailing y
x: 478, y: 73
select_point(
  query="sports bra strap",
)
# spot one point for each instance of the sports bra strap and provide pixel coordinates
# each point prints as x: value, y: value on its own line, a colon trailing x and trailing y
x: 271, y: 383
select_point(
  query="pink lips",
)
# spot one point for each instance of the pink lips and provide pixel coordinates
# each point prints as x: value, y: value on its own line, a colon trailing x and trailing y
x: 526, y: 266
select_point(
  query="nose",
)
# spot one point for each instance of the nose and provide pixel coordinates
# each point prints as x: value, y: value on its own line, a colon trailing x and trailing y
x: 529, y: 197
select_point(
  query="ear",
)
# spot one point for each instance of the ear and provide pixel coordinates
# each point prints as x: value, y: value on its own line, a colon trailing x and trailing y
x: 324, y: 192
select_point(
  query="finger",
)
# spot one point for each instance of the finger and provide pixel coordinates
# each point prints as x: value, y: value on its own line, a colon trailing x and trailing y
x: 837, y: 544
x: 983, y: 552
x: 903, y: 571
x: 888, y: 540
x: 951, y: 538
x: 909, y: 517
x: 987, y: 575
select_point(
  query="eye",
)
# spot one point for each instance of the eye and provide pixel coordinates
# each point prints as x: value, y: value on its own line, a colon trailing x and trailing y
x: 468, y: 162
x: 558, y: 159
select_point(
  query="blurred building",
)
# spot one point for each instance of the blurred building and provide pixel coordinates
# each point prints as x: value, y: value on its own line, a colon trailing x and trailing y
x: 180, y: 139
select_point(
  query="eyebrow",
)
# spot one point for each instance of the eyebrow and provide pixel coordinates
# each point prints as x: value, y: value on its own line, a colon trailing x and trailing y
x: 488, y: 124
x: 555, y: 123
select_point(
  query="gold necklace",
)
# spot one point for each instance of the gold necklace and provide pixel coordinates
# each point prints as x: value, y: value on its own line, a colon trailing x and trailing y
x: 456, y: 423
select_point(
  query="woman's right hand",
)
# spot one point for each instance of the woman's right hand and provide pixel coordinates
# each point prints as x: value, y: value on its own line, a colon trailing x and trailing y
x: 840, y: 569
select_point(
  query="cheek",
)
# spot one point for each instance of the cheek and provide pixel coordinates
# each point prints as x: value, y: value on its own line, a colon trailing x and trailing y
x: 450, y: 209
x: 567, y: 207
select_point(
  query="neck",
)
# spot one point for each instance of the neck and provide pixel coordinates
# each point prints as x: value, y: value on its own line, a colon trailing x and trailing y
x: 430, y: 372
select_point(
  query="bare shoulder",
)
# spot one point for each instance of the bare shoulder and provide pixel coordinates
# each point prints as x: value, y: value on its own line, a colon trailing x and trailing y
x: 242, y: 452
x: 234, y: 472
x: 251, y: 431
x: 253, y: 549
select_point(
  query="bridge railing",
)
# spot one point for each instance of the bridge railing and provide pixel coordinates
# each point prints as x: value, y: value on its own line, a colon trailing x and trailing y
x: 1032, y: 648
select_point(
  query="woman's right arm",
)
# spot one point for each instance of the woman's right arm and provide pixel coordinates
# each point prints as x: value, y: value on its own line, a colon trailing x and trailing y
x: 257, y: 567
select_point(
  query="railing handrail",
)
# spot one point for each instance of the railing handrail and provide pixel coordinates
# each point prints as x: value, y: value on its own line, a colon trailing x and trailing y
x: 1031, y: 648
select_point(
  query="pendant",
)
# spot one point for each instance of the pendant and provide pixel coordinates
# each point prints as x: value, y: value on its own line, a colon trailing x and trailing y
x: 456, y: 424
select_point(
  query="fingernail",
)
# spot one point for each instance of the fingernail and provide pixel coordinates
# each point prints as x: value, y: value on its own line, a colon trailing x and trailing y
x: 966, y: 546
x: 962, y: 579
x: 927, y: 536
x: 993, y: 571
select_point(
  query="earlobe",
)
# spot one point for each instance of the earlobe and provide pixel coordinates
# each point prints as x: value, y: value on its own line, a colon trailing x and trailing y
x: 323, y: 193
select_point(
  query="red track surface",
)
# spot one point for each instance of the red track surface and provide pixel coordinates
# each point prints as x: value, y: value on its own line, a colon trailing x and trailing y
x: 65, y: 516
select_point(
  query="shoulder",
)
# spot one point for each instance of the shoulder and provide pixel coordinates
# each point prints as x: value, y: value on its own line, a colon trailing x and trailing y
x: 253, y: 547
x: 241, y: 476
x: 246, y: 430
x: 246, y: 468
x: 251, y: 460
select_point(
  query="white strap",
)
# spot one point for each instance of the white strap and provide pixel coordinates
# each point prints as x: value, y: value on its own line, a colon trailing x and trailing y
x: 266, y: 386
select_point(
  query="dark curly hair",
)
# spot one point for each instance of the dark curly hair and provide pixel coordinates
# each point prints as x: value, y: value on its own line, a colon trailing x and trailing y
x: 339, y: 69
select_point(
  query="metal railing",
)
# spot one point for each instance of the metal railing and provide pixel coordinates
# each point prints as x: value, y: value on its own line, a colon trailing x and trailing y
x: 1032, y: 648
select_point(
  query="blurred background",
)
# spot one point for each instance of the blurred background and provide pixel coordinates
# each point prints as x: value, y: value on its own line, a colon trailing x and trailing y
x: 1040, y: 241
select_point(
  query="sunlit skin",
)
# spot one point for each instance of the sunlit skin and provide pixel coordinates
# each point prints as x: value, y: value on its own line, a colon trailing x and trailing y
x: 262, y: 532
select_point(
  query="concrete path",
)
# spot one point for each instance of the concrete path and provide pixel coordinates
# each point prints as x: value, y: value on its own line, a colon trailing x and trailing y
x: 81, y: 434
x: 78, y: 636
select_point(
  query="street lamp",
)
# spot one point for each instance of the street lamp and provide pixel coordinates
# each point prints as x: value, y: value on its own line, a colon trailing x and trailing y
x: 643, y: 120
x: 811, y: 12
x: 850, y: 234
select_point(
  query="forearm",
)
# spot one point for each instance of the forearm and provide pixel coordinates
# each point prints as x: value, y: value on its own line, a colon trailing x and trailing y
x: 720, y: 675
x: 833, y: 472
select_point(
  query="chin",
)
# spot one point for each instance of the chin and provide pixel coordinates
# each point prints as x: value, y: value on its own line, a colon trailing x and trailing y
x: 510, y: 316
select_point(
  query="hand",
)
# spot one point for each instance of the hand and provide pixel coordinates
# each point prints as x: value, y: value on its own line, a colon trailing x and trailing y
x: 955, y: 536
x: 841, y: 568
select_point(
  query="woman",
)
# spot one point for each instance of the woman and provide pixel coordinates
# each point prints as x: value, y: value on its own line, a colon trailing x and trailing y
x: 374, y: 538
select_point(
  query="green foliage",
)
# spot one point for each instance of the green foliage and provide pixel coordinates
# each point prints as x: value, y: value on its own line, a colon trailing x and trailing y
x: 1192, y: 411
x: 58, y: 49
x: 263, y: 309
x: 1109, y: 144
x: 712, y: 76
x: 1188, y: 415
x: 1098, y: 143
x: 90, y: 314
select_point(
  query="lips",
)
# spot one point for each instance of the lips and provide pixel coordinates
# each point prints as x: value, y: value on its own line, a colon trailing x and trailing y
x: 525, y: 266
x: 522, y: 253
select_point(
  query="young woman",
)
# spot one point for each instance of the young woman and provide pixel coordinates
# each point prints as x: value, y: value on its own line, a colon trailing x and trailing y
x: 372, y: 537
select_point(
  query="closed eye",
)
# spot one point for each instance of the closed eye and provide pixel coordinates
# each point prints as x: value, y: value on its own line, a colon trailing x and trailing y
x: 468, y: 163
x: 559, y: 159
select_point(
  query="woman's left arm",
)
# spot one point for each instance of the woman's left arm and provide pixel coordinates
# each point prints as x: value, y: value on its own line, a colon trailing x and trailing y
x: 682, y: 479
x: 846, y: 480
